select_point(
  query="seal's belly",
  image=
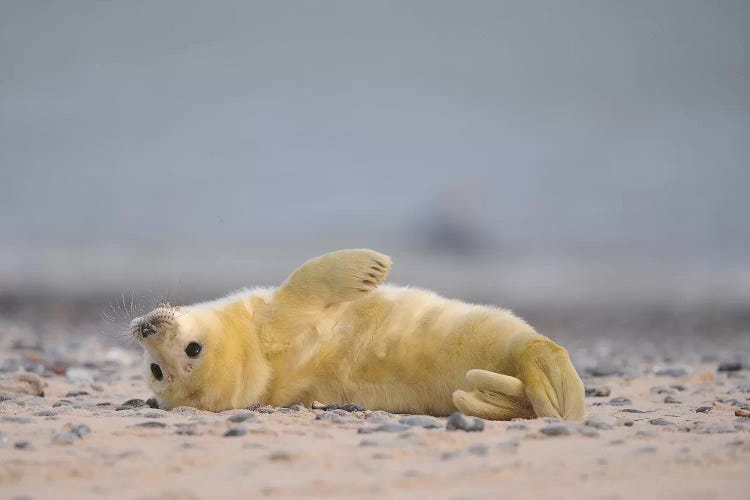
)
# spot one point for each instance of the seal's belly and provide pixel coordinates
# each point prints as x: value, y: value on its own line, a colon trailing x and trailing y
x: 402, y: 350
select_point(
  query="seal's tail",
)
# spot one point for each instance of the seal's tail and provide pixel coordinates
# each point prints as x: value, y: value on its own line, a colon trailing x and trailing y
x: 493, y: 397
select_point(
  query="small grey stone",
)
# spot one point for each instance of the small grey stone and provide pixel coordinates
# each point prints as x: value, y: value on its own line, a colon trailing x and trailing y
x: 155, y: 414
x: 45, y: 413
x: 266, y: 409
x: 555, y: 430
x: 349, y: 407
x: 661, y: 389
x: 423, y: 421
x: 64, y: 438
x: 671, y: 372
x: 62, y: 402
x: 187, y: 429
x: 584, y: 430
x: 598, y: 392
x: 704, y: 409
x: 75, y: 394
x: 730, y: 366
x: 480, y: 450
x: 660, y: 421
x: 647, y: 449
x: 153, y: 424
x: 16, y: 419
x: 333, y: 418
x: 152, y: 403
x: 620, y: 401
x: 616, y: 442
x: 80, y: 430
x: 448, y: 455
x: 645, y: 433
x: 243, y: 416
x: 131, y: 404
x: 459, y: 421
x: 600, y: 421
x: 517, y: 427
x: 185, y: 410
x: 605, y: 369
x: 97, y: 387
x: 235, y: 432
x: 672, y: 400
x: 679, y: 387
x: 369, y: 442
x: 386, y: 427
x: 22, y: 445
x: 632, y: 410
x: 716, y: 429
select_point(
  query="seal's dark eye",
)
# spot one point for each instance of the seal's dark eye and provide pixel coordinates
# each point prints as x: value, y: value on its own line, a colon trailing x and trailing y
x: 193, y: 349
x: 156, y: 371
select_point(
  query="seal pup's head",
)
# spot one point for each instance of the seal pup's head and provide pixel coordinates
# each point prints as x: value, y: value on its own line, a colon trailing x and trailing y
x: 207, y: 356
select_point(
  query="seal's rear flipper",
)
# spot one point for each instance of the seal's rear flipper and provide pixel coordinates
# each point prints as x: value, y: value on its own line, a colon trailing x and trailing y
x: 494, y: 397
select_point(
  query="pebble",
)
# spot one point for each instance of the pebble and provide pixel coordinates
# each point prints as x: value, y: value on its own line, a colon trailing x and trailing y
x: 45, y: 413
x: 741, y: 413
x: 600, y: 421
x: 480, y: 450
x: 605, y: 369
x: 387, y: 427
x: 459, y: 421
x: 64, y: 438
x: 155, y: 414
x: 598, y: 392
x: 671, y: 372
x: 131, y: 404
x: 730, y: 366
x: 517, y: 427
x: 348, y: 407
x: 741, y: 389
x: 185, y: 410
x: 704, y: 409
x: 620, y: 401
x: 332, y: 417
x: 152, y: 403
x: 22, y: 445
x: 556, y: 430
x: 628, y: 423
x: 79, y: 430
x: 16, y: 419
x: 661, y: 389
x: 660, y: 421
x: 716, y: 429
x: 645, y: 433
x: 235, y: 432
x: 647, y: 449
x: 423, y: 421
x: 150, y: 425
x: 243, y: 416
x: 588, y: 431
x: 187, y: 429
x: 632, y: 410
x: 75, y: 394
x: 671, y: 400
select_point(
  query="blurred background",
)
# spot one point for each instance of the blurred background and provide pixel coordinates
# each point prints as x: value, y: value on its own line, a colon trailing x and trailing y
x: 584, y: 163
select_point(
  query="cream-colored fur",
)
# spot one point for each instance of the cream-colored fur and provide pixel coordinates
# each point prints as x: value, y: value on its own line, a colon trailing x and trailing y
x: 331, y: 333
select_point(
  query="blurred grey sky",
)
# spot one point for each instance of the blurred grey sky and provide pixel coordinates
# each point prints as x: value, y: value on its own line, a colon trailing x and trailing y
x: 541, y: 126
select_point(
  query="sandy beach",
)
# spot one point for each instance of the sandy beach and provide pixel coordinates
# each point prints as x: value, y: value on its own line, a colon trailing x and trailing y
x: 662, y: 422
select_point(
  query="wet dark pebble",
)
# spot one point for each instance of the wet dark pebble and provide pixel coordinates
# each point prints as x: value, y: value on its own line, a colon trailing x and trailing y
x: 22, y: 445
x: 423, y: 421
x: 387, y: 427
x: 346, y: 407
x: 150, y: 425
x: 660, y: 421
x: 628, y: 423
x: 671, y: 372
x: 556, y: 430
x: 730, y: 366
x: 620, y: 401
x: 235, y: 432
x: 243, y: 417
x: 598, y: 392
x: 704, y: 409
x: 459, y: 421
x: 132, y: 404
x: 152, y: 403
x: 75, y: 394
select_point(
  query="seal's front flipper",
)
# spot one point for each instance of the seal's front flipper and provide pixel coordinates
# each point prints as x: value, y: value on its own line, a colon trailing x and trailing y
x: 335, y: 277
